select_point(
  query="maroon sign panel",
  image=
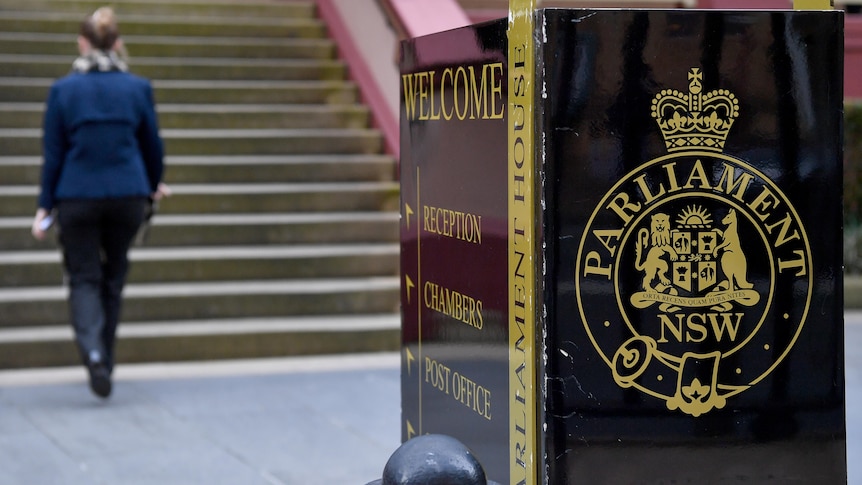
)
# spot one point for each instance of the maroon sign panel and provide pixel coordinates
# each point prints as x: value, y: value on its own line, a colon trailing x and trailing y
x: 453, y: 240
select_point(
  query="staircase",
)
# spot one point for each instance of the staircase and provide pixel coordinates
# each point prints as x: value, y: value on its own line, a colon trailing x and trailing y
x: 281, y: 236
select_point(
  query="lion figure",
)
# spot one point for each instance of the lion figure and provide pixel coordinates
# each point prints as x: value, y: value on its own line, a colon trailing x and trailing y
x: 653, y: 265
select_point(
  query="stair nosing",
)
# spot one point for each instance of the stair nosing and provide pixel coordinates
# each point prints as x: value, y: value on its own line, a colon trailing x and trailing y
x: 216, y: 253
x: 244, y: 219
x: 316, y: 286
x: 163, y: 19
x: 220, y: 133
x: 171, y: 40
x: 238, y: 326
x: 233, y: 160
x: 178, y: 61
x: 209, y: 108
x: 199, y: 84
x: 256, y: 3
x: 240, y: 188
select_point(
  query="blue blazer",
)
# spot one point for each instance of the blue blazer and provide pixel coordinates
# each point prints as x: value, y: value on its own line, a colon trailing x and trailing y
x: 101, y: 138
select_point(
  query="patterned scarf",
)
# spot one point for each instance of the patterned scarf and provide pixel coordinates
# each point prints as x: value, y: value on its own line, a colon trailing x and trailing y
x: 100, y: 61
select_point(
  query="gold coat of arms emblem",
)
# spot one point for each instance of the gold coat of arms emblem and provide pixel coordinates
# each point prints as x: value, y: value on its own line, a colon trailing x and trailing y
x: 694, y: 272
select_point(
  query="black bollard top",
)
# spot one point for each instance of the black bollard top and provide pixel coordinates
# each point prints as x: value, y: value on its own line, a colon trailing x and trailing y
x: 433, y: 460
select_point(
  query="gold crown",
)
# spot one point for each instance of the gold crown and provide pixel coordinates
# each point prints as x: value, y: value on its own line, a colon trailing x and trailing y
x: 695, y: 120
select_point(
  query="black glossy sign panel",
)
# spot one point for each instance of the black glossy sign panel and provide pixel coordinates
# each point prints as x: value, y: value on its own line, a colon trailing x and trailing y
x: 693, y: 223
x: 687, y: 246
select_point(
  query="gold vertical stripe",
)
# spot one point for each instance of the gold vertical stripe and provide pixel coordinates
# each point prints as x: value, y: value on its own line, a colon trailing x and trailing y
x: 521, y: 241
x: 813, y: 4
x: 420, y: 304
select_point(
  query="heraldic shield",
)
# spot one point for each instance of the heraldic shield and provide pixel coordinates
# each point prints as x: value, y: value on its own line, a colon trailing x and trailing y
x: 694, y: 243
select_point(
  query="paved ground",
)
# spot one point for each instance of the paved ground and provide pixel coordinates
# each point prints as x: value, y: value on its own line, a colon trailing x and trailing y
x: 853, y: 388
x: 308, y: 421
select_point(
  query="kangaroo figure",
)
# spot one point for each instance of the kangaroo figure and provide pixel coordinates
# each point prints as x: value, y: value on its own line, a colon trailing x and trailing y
x: 733, y: 262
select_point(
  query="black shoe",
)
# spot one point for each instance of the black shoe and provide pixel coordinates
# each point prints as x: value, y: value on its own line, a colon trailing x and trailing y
x: 100, y: 379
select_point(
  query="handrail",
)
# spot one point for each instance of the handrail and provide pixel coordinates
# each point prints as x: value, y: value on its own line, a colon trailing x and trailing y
x: 394, y: 19
x: 415, y: 18
x: 361, y: 72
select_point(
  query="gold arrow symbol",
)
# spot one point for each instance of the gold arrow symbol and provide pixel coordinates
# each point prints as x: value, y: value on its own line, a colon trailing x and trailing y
x: 410, y: 286
x: 409, y: 212
x: 410, y: 359
x: 410, y: 431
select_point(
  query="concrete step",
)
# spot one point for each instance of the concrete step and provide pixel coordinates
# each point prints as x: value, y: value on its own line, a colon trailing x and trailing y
x: 166, y: 265
x: 169, y: 25
x: 207, y: 91
x: 219, y: 116
x: 187, y: 340
x: 28, y: 141
x: 123, y: 8
x: 245, y: 198
x: 282, y: 168
x: 46, y: 306
x: 26, y: 170
x: 174, y: 46
x: 204, y: 230
x: 235, y: 68
x: 301, y: 197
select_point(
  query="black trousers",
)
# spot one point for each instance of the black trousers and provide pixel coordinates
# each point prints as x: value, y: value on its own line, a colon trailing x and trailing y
x: 96, y: 235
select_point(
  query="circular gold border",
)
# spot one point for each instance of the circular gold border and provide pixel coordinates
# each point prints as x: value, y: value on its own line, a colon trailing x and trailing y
x: 766, y: 181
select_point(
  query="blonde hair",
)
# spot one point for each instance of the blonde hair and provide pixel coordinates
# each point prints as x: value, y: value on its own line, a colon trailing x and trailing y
x: 101, y: 29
